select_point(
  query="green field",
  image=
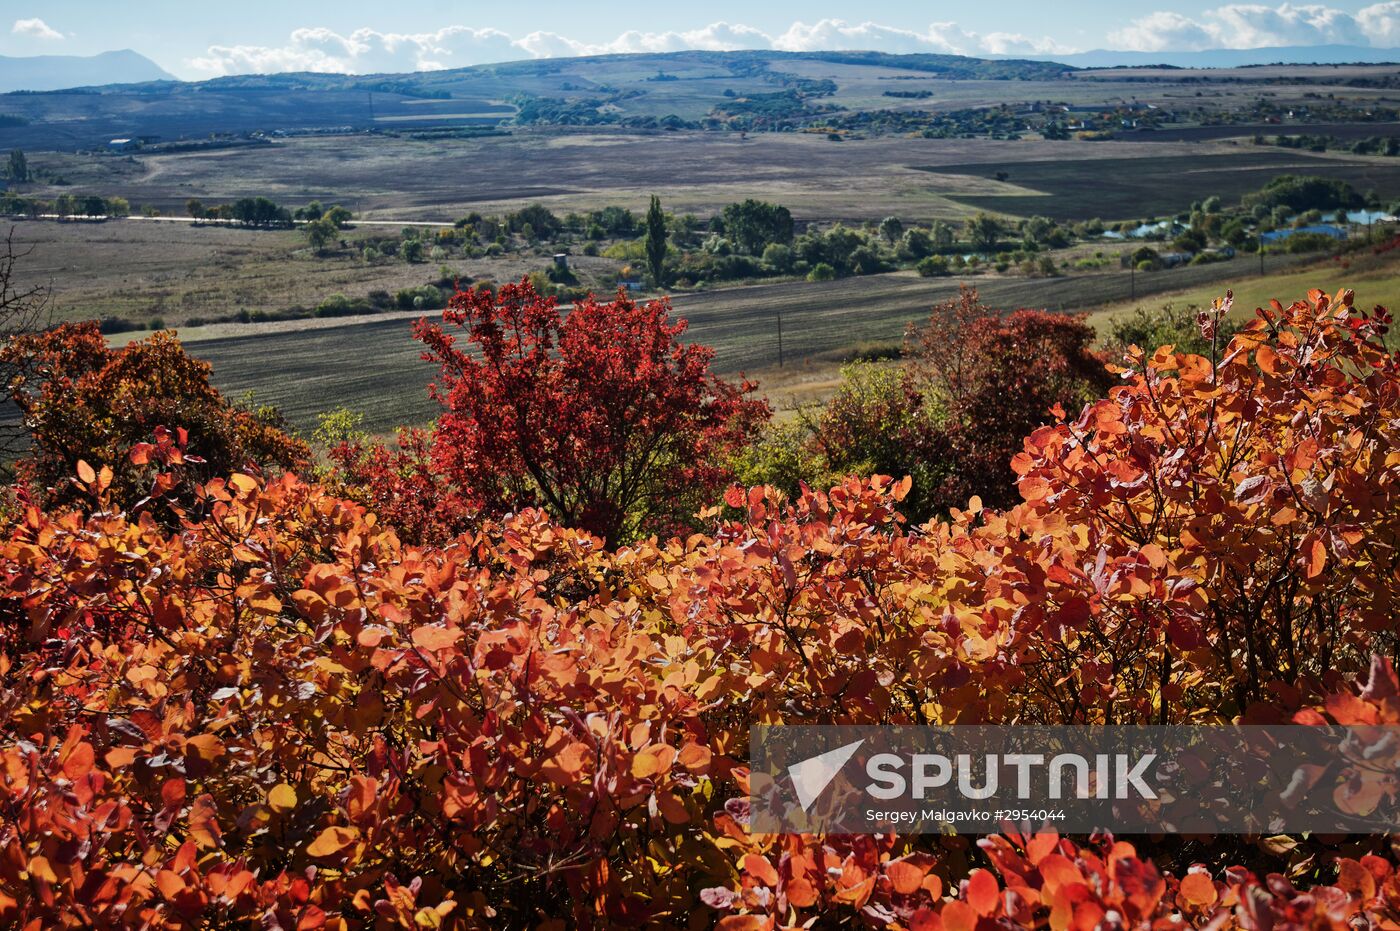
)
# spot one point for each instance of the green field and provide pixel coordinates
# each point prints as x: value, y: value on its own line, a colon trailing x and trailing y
x: 1133, y: 188
x: 1375, y: 279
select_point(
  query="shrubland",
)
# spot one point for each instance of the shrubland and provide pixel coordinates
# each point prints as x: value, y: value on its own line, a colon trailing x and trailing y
x: 278, y: 709
x: 975, y: 383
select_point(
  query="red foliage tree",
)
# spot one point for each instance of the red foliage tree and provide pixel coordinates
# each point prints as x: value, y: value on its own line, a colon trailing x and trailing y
x: 978, y: 383
x: 82, y: 400
x: 601, y: 416
x: 399, y: 484
x: 999, y: 378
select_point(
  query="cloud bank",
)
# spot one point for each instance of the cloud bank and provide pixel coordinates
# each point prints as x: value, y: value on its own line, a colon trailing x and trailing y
x: 1249, y: 25
x: 368, y: 51
x: 35, y: 28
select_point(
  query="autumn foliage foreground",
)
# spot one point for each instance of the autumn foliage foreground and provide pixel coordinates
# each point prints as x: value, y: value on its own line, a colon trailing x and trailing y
x: 279, y: 715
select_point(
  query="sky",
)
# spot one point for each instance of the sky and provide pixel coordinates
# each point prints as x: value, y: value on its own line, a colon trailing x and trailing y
x: 193, y: 39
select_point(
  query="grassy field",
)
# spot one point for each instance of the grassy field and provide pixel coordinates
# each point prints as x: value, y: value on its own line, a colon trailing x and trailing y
x: 1129, y: 188
x: 372, y: 364
x: 1374, y: 278
x: 443, y: 179
x: 140, y: 270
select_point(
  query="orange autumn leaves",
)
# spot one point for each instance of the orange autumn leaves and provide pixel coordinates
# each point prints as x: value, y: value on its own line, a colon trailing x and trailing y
x: 278, y: 714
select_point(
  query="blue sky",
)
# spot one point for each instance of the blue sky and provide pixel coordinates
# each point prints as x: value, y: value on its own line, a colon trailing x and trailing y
x: 194, y: 40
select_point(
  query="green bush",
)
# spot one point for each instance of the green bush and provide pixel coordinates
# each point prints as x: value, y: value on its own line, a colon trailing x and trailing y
x: 631, y: 250
x: 933, y: 266
x: 1167, y: 325
x: 424, y: 297
x: 821, y: 272
x: 1309, y: 242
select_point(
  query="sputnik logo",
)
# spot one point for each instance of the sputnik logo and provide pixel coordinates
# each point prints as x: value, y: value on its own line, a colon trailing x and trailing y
x: 811, y: 776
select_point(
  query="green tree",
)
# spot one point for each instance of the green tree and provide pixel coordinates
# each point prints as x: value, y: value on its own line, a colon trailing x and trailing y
x: 614, y: 221
x: 534, y: 222
x: 983, y: 231
x: 656, y: 243
x: 779, y: 258
x: 917, y: 243
x: 195, y: 208
x: 754, y: 224
x: 412, y: 250
x: 1037, y: 229
x: 839, y: 246
x: 19, y: 166
x: 339, y: 215
x: 321, y: 233
x: 259, y: 211
x: 891, y: 228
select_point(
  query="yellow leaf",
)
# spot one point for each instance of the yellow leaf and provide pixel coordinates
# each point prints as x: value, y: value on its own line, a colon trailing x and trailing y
x: 331, y: 841
x: 652, y: 761
x: 282, y: 798
x: 39, y: 868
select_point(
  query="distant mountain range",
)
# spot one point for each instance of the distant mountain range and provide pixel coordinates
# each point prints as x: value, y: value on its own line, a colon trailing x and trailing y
x: 54, y: 72
x: 1234, y: 58
x: 121, y: 95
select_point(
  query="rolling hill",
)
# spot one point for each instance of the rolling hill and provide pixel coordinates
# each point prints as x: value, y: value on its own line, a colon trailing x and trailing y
x: 679, y: 87
x: 57, y: 72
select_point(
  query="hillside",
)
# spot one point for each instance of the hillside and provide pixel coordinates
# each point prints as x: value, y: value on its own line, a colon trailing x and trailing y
x: 680, y: 89
x: 55, y: 72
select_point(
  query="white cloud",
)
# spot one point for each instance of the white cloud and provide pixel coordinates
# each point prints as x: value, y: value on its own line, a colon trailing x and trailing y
x: 366, y: 51
x: 1160, y: 31
x: 1382, y: 24
x: 1256, y: 26
x: 1007, y: 43
x: 1252, y: 25
x: 35, y: 28
x: 716, y: 37
x: 828, y: 34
